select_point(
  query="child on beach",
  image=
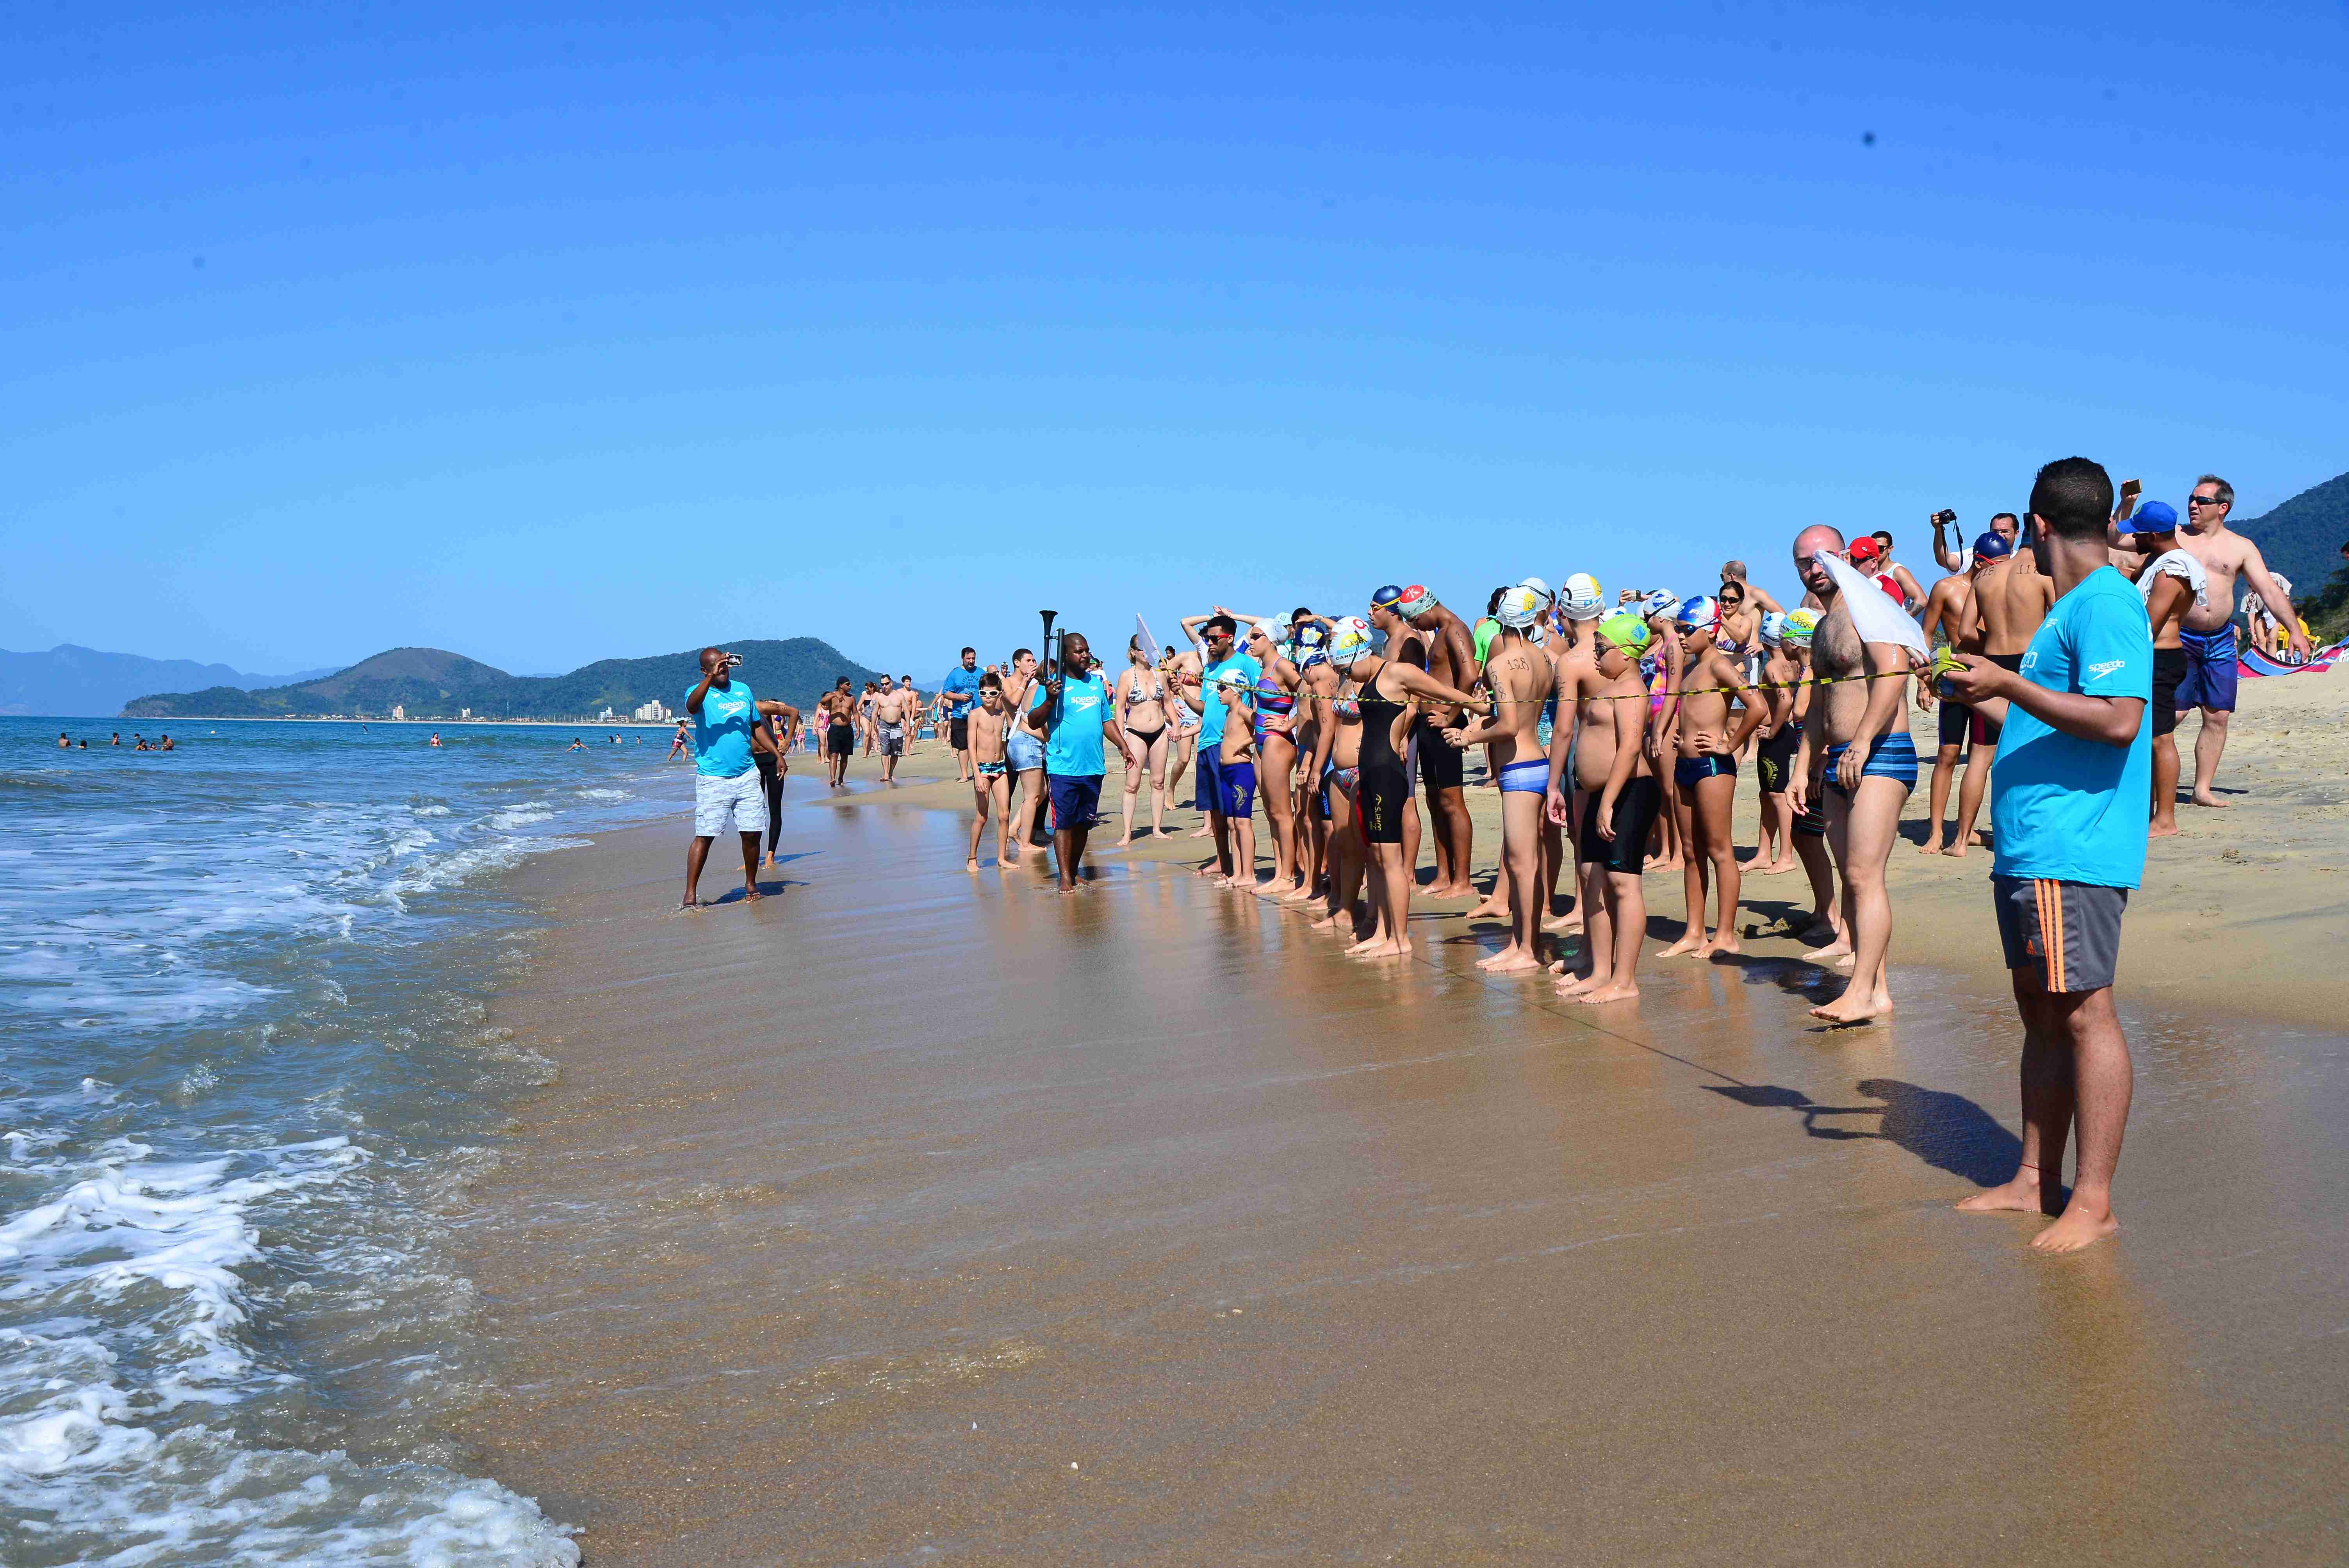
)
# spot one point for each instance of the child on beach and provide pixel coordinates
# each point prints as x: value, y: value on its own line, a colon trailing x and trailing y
x: 988, y: 787
x: 1239, y: 759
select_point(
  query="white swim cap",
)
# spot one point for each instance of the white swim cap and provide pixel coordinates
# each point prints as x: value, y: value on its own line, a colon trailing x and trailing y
x: 1519, y: 608
x: 1584, y: 599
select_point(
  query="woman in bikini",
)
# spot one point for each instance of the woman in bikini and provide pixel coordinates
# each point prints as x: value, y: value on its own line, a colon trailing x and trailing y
x: 1275, y: 753
x: 1141, y: 714
x: 1349, y: 639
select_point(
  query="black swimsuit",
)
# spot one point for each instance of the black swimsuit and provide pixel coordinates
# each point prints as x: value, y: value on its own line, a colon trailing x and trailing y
x: 1385, y: 787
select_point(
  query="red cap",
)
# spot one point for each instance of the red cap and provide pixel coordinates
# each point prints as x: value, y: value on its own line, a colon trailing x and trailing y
x: 1863, y: 549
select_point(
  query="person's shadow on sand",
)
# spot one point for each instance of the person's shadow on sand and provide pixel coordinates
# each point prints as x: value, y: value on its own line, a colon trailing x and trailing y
x: 1946, y: 1132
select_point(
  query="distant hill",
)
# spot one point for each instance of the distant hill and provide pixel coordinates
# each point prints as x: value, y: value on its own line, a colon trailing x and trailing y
x: 432, y: 683
x: 73, y: 682
x: 2302, y: 537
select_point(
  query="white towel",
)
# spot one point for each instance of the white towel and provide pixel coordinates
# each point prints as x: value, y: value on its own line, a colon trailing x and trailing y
x: 2175, y: 564
x: 1876, y: 614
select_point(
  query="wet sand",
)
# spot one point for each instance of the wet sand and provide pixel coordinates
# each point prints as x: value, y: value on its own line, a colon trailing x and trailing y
x: 914, y: 1215
x: 2245, y: 909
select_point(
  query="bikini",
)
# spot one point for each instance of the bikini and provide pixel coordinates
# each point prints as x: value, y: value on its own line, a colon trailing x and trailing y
x: 1272, y: 701
x: 1135, y: 700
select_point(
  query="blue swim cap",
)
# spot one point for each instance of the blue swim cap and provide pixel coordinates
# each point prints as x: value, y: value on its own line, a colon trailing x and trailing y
x: 2155, y: 517
x: 1993, y: 546
x: 1388, y: 597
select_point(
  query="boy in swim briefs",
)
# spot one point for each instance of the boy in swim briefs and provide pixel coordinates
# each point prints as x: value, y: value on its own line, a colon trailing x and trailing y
x: 990, y: 789
x: 1237, y: 771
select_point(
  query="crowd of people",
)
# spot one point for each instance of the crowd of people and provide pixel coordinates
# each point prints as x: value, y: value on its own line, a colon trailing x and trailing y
x: 2053, y: 660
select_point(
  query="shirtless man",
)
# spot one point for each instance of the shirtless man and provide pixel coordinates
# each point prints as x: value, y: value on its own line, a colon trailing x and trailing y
x: 1451, y: 662
x: 2208, y: 634
x: 1706, y: 770
x: 984, y: 728
x: 1946, y: 615
x: 1519, y: 678
x: 1617, y: 786
x: 1946, y: 550
x: 1759, y: 599
x: 1860, y: 717
x: 1999, y: 619
x: 839, y: 731
x: 892, y: 715
x: 1912, y: 593
x: 2172, y: 581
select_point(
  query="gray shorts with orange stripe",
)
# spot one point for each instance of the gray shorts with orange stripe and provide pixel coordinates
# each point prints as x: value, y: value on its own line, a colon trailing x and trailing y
x: 2069, y: 931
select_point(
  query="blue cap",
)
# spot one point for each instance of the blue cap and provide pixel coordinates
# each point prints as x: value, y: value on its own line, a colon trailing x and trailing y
x: 2155, y: 517
x: 1387, y: 597
x: 1991, y: 547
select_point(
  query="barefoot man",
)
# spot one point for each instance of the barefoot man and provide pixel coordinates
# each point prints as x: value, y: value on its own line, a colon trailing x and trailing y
x: 2066, y: 805
x: 2171, y: 583
x: 1452, y: 661
x: 1071, y: 711
x: 1946, y: 615
x: 1519, y: 677
x: 1860, y: 715
x: 893, y: 714
x: 726, y: 783
x: 2209, y: 632
x: 1613, y: 777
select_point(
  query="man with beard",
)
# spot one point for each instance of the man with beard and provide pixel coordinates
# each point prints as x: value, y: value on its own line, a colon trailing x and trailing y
x: 1860, y: 714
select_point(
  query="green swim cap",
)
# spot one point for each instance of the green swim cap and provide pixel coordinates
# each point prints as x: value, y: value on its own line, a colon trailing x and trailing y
x: 1626, y: 631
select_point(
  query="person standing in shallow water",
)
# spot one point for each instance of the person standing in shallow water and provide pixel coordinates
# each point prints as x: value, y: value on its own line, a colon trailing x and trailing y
x: 1075, y: 715
x: 2068, y: 812
x: 726, y: 785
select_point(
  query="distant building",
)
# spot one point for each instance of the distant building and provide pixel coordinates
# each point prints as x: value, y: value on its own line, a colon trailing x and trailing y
x: 464, y: 712
x: 398, y: 712
x: 653, y: 711
x: 606, y: 715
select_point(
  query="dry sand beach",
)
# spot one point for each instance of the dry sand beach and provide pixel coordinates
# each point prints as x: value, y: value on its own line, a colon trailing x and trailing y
x: 910, y: 1214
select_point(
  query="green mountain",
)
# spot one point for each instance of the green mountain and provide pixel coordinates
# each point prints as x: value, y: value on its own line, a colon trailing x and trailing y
x: 2302, y: 537
x: 432, y: 683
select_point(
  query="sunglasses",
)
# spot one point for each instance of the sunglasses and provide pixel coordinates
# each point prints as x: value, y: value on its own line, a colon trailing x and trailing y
x: 2204, y: 500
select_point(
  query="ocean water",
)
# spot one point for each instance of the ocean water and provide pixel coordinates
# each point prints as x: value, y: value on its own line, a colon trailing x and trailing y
x: 245, y: 1073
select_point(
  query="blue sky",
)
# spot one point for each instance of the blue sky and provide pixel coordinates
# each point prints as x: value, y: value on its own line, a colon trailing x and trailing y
x: 565, y: 335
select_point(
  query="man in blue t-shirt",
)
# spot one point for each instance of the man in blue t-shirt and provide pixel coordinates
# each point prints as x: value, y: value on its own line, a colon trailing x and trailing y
x: 2068, y: 795
x: 960, y: 690
x: 1071, y: 710
x: 1217, y: 635
x: 726, y: 783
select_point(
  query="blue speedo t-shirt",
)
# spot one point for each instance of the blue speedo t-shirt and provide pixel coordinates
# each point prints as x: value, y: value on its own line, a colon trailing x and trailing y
x: 2065, y: 809
x: 961, y: 687
x: 722, y: 731
x: 1074, y: 749
x: 1211, y: 722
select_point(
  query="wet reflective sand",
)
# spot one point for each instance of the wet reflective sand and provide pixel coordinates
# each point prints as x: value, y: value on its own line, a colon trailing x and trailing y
x: 914, y: 1215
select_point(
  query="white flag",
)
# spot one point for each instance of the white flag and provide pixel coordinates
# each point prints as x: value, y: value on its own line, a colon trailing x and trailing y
x: 1875, y: 615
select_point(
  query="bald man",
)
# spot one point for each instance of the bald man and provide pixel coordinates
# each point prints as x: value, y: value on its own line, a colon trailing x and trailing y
x: 1857, y: 741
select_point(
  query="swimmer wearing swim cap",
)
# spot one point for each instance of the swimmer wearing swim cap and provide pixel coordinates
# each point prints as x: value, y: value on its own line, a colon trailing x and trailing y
x: 1616, y: 800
